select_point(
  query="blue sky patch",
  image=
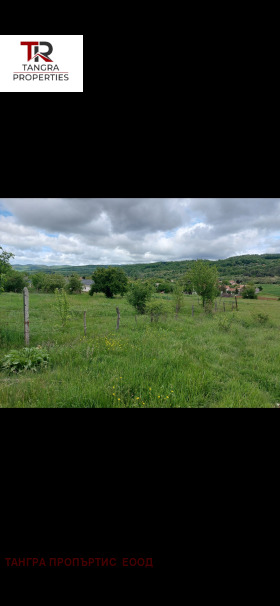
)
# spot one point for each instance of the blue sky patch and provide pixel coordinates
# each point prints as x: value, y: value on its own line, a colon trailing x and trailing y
x: 5, y: 213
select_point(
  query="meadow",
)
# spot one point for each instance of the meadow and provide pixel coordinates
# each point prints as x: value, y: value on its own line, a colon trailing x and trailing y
x: 270, y: 289
x: 227, y: 359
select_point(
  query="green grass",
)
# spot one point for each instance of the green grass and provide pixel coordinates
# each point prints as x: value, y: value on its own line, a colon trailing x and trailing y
x: 228, y: 360
x: 270, y: 289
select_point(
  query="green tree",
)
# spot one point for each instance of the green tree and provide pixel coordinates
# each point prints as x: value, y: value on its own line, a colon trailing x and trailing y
x: 111, y: 281
x: 178, y: 297
x: 15, y: 281
x: 167, y: 287
x: 204, y: 278
x: 74, y: 285
x: 4, y: 261
x: 138, y: 295
x: 5, y: 267
x: 39, y: 280
x: 53, y: 282
x: 250, y: 291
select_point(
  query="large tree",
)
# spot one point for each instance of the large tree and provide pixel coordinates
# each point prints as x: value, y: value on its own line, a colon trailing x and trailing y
x: 204, y: 278
x: 111, y: 281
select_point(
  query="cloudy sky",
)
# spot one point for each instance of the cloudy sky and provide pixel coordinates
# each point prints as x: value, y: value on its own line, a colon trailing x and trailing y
x: 83, y: 231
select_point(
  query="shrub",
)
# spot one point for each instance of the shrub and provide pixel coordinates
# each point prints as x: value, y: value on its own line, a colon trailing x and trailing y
x: 178, y: 297
x: 167, y: 287
x: 225, y: 323
x: 155, y: 309
x: 138, y: 296
x: 208, y: 308
x: 74, y: 285
x: 53, y: 282
x: 39, y: 280
x: 62, y: 306
x: 261, y: 317
x: 15, y: 282
x: 26, y: 359
x: 249, y: 292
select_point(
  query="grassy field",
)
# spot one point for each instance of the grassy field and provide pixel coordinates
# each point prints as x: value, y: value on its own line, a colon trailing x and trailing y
x: 270, y: 289
x: 228, y: 359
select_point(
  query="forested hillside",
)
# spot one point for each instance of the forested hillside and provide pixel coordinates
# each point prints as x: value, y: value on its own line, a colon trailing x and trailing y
x: 258, y: 267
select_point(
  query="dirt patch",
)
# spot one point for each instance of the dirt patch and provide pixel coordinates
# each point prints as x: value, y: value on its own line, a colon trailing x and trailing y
x: 268, y: 298
x: 263, y: 298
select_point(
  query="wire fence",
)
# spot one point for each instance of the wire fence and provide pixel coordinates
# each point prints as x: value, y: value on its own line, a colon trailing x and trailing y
x: 14, y: 320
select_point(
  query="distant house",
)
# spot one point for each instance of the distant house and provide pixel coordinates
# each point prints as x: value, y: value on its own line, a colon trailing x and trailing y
x: 87, y: 284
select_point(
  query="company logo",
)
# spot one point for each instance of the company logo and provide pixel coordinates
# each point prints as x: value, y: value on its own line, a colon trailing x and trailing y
x: 38, y: 54
x: 39, y: 65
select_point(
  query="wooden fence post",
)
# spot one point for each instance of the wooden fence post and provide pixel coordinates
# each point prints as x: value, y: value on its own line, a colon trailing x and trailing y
x: 85, y: 323
x: 215, y: 305
x: 236, y: 302
x: 224, y: 306
x: 26, y: 314
x: 192, y: 310
x: 118, y: 318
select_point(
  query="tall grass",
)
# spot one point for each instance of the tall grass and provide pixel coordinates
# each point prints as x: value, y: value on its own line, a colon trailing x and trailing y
x: 228, y: 359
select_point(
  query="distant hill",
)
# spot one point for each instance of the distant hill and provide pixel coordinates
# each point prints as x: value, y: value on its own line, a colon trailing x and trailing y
x: 243, y: 267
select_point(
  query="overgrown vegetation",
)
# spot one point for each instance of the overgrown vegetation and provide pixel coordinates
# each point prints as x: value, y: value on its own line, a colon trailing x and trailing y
x: 62, y: 306
x: 138, y: 296
x: 249, y: 292
x: 226, y: 359
x: 25, y: 359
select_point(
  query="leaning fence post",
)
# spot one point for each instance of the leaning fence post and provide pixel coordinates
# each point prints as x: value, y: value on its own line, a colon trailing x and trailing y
x: 118, y: 318
x: 85, y: 323
x: 26, y: 314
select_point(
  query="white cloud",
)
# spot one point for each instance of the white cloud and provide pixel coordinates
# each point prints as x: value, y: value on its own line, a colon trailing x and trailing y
x: 134, y: 230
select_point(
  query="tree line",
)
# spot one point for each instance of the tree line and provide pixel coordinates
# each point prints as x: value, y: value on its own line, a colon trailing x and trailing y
x: 202, y: 278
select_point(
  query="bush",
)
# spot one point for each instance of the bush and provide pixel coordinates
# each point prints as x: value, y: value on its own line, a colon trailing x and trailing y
x: 74, y: 285
x: 138, y: 296
x: 167, y: 287
x: 62, y: 306
x: 225, y: 323
x: 39, y: 280
x: 178, y: 297
x: 261, y: 317
x: 26, y: 359
x: 155, y: 309
x: 15, y: 282
x: 249, y: 292
x: 53, y: 282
